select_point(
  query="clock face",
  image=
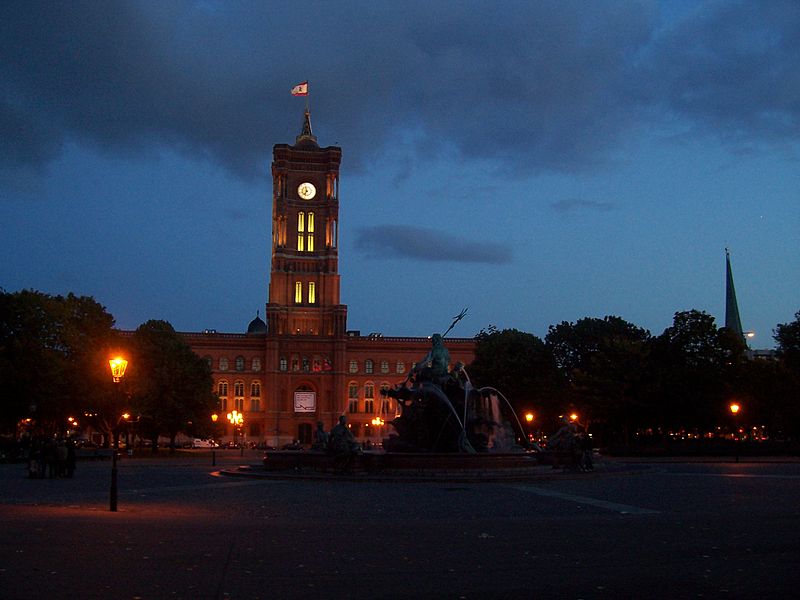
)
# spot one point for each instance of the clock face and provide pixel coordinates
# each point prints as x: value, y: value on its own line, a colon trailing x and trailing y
x: 306, y: 190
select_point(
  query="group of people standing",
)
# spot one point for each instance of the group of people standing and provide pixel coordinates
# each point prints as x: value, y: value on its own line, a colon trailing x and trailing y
x: 52, y: 458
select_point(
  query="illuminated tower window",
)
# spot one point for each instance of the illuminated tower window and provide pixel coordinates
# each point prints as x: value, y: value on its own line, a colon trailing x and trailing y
x: 310, y: 231
x: 298, y: 292
x: 312, y: 293
x: 301, y: 228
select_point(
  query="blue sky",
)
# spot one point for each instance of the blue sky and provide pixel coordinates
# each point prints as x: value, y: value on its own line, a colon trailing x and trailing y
x: 536, y: 162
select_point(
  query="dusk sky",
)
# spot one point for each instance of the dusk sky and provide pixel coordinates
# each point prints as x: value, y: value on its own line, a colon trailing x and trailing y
x: 537, y: 162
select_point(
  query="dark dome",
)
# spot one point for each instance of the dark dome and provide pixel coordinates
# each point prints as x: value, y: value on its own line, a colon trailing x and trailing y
x: 257, y: 327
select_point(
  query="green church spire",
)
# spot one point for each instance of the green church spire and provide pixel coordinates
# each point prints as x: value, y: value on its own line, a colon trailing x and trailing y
x: 732, y: 320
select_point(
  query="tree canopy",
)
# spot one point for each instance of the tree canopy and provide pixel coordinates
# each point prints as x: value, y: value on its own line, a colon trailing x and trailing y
x: 53, y: 353
x: 171, y: 385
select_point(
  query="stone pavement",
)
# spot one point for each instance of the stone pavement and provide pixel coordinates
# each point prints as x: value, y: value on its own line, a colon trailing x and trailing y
x: 182, y: 531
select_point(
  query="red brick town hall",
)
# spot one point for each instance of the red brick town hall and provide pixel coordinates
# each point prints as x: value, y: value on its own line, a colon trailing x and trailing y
x: 303, y: 365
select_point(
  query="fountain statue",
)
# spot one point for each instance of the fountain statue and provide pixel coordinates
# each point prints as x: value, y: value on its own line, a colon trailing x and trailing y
x: 442, y: 412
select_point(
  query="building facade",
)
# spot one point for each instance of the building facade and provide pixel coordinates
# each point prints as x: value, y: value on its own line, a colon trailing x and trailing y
x: 302, y: 365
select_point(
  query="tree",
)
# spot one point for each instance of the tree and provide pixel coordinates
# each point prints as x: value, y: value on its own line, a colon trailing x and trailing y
x: 696, y: 368
x: 602, y: 360
x: 787, y: 409
x: 53, y: 350
x: 787, y: 335
x: 519, y: 365
x: 171, y: 384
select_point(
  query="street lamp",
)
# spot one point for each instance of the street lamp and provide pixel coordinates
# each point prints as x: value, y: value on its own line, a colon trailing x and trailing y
x: 118, y: 366
x: 214, y: 419
x: 237, y: 420
x: 529, y: 420
x: 735, y: 408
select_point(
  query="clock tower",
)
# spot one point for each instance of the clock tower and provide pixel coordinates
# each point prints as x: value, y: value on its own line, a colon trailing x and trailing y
x: 304, y: 279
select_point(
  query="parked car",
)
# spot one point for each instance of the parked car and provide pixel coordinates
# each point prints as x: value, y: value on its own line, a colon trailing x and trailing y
x: 198, y: 443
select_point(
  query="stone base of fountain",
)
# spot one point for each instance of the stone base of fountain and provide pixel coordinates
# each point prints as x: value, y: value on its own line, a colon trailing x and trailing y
x: 382, y: 463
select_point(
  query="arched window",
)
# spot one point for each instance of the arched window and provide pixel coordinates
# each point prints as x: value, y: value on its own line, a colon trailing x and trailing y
x: 401, y: 366
x: 368, y: 366
x: 354, y: 366
x: 209, y: 361
x: 255, y: 388
x: 222, y: 388
x: 223, y: 364
x: 238, y: 395
x: 310, y: 233
x: 369, y: 398
x: 256, y: 364
x: 239, y: 363
x: 384, y: 366
x: 301, y: 228
x: 283, y: 364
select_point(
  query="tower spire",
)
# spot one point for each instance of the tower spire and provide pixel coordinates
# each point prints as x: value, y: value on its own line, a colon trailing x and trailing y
x: 732, y: 320
x: 306, y: 133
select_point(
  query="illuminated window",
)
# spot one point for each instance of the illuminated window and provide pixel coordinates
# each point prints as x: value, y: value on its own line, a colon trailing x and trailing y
x: 301, y: 228
x: 369, y: 398
x: 310, y: 231
x: 312, y: 293
x: 298, y: 292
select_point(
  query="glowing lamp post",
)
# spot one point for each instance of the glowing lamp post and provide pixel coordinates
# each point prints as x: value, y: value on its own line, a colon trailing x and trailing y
x: 214, y: 419
x: 529, y: 420
x: 237, y: 420
x: 118, y: 366
x: 735, y: 408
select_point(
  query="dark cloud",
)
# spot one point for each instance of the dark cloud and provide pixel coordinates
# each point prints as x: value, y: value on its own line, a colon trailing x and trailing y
x: 575, y: 205
x: 732, y: 70
x: 420, y: 243
x: 533, y: 86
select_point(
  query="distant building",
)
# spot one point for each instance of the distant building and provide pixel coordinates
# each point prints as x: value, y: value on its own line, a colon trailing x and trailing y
x: 732, y: 319
x: 302, y: 365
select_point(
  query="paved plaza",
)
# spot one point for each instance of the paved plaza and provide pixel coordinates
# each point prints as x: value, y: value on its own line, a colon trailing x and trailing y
x: 645, y: 530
